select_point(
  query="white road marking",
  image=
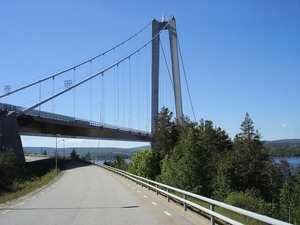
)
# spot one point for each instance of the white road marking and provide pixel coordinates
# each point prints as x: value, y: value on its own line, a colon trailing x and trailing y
x: 138, y: 191
x: 133, y: 188
x: 129, y: 185
x: 22, y: 203
x: 5, y: 211
x: 33, y: 197
x: 154, y: 203
x: 145, y: 196
x: 168, y: 214
x: 48, y: 189
x: 42, y: 193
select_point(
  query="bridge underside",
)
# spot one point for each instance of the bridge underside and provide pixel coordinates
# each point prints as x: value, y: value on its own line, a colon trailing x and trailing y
x: 39, y: 126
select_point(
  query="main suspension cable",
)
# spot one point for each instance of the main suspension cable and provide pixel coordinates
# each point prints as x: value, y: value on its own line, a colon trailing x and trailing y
x: 91, y: 77
x: 73, y: 67
x: 183, y: 68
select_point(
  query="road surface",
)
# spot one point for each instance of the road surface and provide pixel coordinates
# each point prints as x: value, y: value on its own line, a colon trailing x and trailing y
x: 88, y: 194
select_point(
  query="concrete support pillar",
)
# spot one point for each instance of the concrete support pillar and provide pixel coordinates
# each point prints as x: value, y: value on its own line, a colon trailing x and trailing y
x: 9, y: 135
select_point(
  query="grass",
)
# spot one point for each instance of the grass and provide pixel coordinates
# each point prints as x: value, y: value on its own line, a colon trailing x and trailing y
x: 30, y: 176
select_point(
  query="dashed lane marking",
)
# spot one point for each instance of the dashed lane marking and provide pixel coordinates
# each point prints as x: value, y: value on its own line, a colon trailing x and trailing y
x: 154, y: 203
x: 33, y: 197
x: 22, y: 203
x: 168, y: 214
x: 42, y: 193
x: 5, y: 211
x: 145, y: 196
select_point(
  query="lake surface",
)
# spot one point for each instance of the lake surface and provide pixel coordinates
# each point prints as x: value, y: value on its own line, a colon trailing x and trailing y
x: 294, y: 161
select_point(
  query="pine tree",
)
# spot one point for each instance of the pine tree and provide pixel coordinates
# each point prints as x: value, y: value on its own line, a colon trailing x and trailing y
x: 164, y: 137
x: 250, y: 159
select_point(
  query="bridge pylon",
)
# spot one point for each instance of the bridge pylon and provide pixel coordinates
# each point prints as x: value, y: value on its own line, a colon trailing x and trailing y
x: 9, y: 135
x: 156, y: 28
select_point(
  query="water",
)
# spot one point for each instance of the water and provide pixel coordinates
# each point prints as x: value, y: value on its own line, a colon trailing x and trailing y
x: 294, y: 161
x: 101, y: 161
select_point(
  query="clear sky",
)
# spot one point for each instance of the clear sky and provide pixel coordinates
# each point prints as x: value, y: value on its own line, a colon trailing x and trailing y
x: 239, y: 56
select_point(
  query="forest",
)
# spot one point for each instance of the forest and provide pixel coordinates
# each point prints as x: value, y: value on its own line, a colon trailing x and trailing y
x: 201, y: 158
x: 288, y: 148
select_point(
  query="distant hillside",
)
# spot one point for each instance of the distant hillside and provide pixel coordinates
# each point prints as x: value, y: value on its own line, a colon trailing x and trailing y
x: 283, y: 148
x: 289, y: 141
x: 94, y: 151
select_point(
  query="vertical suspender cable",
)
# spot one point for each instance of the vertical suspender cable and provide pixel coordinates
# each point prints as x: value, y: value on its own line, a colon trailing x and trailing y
x: 123, y: 90
x: 74, y: 89
x: 53, y: 93
x: 130, y: 100
x: 118, y: 92
x: 91, y: 91
x: 147, y: 93
x: 40, y: 97
x: 103, y: 97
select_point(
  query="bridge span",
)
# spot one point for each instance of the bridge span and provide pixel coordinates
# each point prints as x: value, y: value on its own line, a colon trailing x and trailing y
x: 40, y: 123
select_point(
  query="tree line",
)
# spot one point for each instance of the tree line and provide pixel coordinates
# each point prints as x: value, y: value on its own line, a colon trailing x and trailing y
x: 201, y: 158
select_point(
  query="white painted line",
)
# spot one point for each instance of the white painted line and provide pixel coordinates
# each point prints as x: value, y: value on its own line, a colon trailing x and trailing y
x: 5, y: 211
x: 138, y: 191
x: 42, y: 193
x: 48, y: 189
x: 133, y: 188
x: 145, y: 196
x: 154, y: 203
x: 168, y: 214
x: 22, y: 203
x: 33, y: 197
x: 129, y: 185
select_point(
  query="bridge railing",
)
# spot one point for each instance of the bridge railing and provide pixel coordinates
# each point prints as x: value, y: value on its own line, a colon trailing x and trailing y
x: 166, y: 190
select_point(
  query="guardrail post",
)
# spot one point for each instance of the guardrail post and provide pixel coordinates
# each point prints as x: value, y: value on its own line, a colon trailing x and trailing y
x: 184, y: 204
x: 156, y: 189
x: 212, y: 218
x: 148, y: 186
x: 168, y: 198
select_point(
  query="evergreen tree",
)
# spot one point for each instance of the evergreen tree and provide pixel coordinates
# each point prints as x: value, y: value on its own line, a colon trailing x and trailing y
x: 296, y: 200
x: 222, y: 184
x: 164, y: 136
x: 74, y: 155
x: 250, y: 160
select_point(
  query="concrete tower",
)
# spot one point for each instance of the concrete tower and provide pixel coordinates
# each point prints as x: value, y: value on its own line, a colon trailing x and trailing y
x: 156, y: 28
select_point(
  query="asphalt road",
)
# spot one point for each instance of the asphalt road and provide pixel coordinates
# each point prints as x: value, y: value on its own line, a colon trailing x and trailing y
x: 88, y: 194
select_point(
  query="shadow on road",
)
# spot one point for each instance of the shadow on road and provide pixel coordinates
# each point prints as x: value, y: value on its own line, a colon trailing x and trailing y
x: 74, y: 208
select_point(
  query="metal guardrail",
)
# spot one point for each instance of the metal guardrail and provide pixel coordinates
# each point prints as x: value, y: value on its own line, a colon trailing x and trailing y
x: 150, y: 184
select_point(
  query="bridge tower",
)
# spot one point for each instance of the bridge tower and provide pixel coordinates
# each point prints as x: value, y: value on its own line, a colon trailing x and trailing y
x: 156, y: 28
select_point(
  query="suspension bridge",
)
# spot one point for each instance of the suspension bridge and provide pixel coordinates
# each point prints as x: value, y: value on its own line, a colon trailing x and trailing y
x: 115, y: 86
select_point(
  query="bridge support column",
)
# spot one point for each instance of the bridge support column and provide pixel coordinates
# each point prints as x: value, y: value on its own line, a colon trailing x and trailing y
x: 156, y: 28
x: 9, y: 135
x: 175, y: 67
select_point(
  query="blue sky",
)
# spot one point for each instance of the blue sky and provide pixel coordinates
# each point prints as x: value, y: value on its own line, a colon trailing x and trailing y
x: 239, y: 56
